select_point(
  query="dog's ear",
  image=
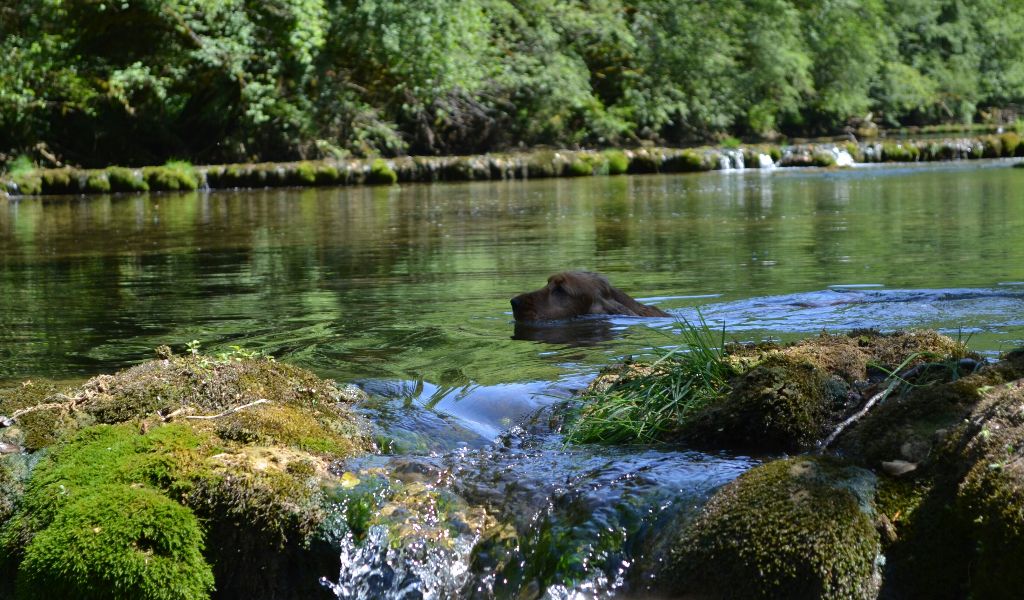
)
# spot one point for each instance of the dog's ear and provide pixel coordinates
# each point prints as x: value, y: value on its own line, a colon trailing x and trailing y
x: 614, y: 307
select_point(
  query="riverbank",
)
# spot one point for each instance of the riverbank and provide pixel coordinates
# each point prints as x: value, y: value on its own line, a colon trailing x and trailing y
x: 177, y: 175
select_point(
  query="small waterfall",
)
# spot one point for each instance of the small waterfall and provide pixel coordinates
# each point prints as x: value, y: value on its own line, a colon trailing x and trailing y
x: 764, y: 161
x: 843, y: 158
x: 731, y: 160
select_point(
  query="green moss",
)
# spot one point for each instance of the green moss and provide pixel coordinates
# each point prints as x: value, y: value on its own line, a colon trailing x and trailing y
x: 60, y: 181
x: 542, y: 164
x: 686, y: 161
x: 117, y: 541
x: 126, y: 180
x: 780, y: 404
x: 893, y: 152
x: 381, y: 174
x: 28, y: 183
x: 796, y: 528
x: 281, y: 425
x: 96, y: 183
x: 618, y: 162
x: 1010, y: 142
x: 173, y: 176
x: 303, y: 174
x: 645, y: 162
x: 823, y: 158
x: 580, y: 168
x: 327, y: 175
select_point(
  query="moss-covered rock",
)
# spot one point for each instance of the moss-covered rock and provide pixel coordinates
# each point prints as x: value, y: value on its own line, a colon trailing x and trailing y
x: 252, y: 476
x: 380, y: 173
x: 118, y: 541
x: 96, y: 182
x: 787, y: 398
x: 126, y: 180
x: 173, y: 176
x: 687, y: 161
x: 60, y: 181
x: 27, y: 183
x: 618, y: 162
x: 900, y: 152
x: 795, y: 528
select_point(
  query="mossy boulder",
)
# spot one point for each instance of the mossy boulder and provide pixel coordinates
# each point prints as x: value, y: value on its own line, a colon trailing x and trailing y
x: 96, y: 182
x: 234, y: 447
x: 686, y: 161
x: 785, y: 398
x: 126, y: 180
x: 900, y: 152
x: 794, y: 528
x: 173, y: 176
x: 60, y: 181
x: 789, y: 398
x: 380, y: 173
x: 618, y: 162
x: 119, y: 541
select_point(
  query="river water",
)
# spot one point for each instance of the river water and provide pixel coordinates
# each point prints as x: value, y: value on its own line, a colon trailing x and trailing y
x: 405, y: 291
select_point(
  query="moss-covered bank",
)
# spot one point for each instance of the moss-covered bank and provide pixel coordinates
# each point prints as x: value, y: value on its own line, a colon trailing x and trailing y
x: 177, y: 478
x: 175, y: 176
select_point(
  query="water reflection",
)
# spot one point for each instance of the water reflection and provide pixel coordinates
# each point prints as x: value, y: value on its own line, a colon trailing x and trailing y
x: 576, y: 332
x: 405, y: 282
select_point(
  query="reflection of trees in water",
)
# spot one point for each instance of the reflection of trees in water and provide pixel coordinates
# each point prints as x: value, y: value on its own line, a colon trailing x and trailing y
x: 345, y: 274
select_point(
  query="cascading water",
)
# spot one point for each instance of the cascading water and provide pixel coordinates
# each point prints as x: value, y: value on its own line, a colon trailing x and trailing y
x: 731, y: 160
x: 843, y: 157
x: 764, y: 161
x: 524, y: 516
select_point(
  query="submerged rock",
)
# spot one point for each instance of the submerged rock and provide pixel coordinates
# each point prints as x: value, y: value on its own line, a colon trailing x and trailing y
x: 794, y: 528
x: 222, y: 460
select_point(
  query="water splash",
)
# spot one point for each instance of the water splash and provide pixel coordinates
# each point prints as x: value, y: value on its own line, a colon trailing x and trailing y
x: 843, y: 158
x: 374, y: 568
x: 764, y: 161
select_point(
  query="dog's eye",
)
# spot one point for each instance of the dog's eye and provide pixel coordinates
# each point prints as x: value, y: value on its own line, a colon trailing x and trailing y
x: 559, y: 290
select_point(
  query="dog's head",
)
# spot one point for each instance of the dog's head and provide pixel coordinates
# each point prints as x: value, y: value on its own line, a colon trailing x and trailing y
x: 574, y: 293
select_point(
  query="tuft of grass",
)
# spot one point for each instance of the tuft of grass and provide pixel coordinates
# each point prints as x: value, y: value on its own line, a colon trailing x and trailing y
x: 650, y: 401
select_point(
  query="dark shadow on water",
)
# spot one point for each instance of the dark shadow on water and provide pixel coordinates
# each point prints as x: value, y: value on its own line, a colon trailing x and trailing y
x: 574, y: 332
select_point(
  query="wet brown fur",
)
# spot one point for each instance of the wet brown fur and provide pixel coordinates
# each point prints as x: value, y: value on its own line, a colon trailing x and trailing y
x: 575, y: 293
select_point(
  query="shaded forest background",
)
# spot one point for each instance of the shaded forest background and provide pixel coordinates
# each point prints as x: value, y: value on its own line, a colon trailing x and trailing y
x: 140, y: 81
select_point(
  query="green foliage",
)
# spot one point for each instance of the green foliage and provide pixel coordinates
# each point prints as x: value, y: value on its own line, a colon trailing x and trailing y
x: 238, y: 81
x: 21, y: 164
x: 656, y: 399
